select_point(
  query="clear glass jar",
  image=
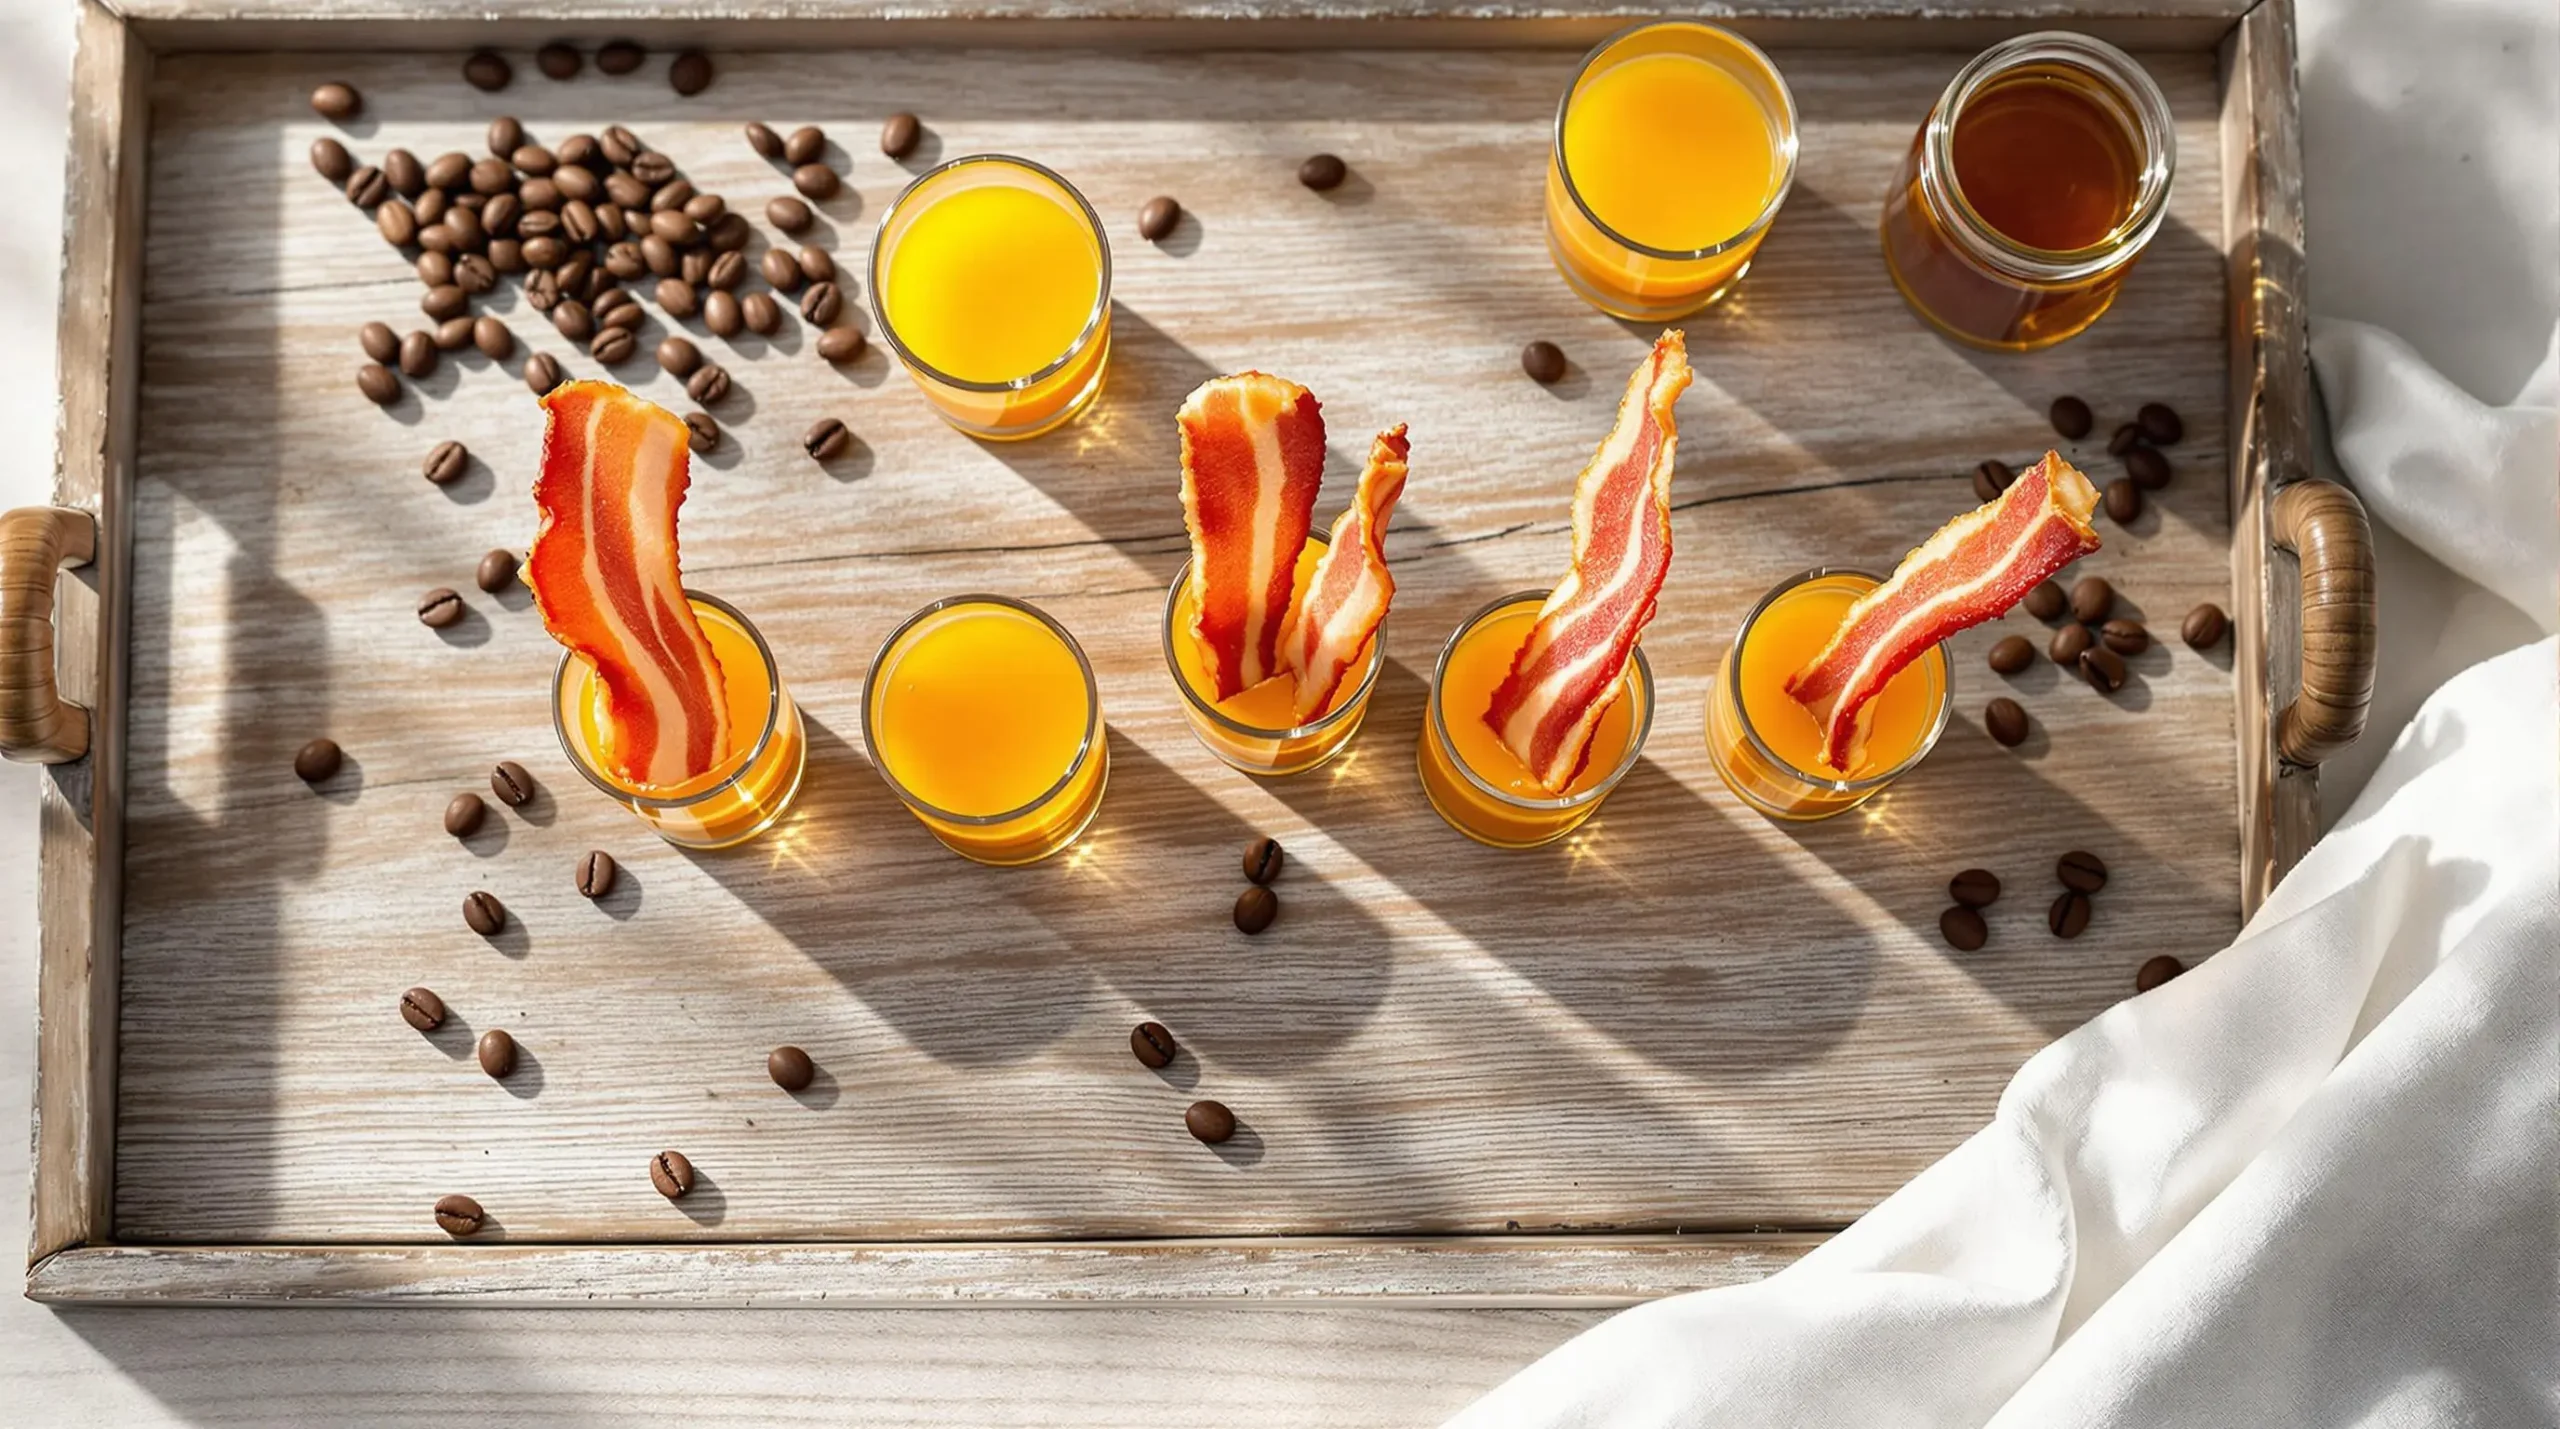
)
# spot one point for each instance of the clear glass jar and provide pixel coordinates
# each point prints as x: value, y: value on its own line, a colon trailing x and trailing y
x: 1267, y: 749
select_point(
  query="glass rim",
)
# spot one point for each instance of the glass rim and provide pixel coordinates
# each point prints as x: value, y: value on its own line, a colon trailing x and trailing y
x: 1084, y: 336
x: 2152, y: 123
x: 764, y: 737
x: 1085, y: 747
x: 1449, y: 747
x: 1832, y: 783
x: 1320, y: 724
x: 1786, y: 143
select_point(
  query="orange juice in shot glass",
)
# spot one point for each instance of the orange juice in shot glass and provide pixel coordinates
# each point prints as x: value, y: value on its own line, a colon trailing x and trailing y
x: 1674, y: 145
x: 668, y: 700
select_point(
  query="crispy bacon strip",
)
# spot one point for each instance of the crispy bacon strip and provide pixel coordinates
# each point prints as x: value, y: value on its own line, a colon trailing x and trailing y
x: 1347, y: 593
x: 1974, y: 568
x: 603, y: 572
x: 1252, y: 458
x: 1575, y: 660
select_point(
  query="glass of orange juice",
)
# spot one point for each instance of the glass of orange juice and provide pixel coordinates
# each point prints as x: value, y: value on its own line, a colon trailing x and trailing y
x: 740, y: 797
x: 982, y: 713
x: 1257, y: 730
x: 991, y: 280
x: 1674, y: 146
x: 1480, y: 787
x: 1768, y: 747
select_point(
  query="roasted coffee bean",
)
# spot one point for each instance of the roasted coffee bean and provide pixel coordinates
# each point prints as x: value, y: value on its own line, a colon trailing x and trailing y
x: 492, y: 176
x: 2125, y: 637
x: 727, y: 272
x: 580, y: 277
x: 366, y: 187
x: 613, y: 346
x: 542, y: 373
x: 2069, y: 916
x: 671, y: 1174
x: 677, y: 298
x: 1543, y: 361
x: 2068, y: 644
x: 762, y: 139
x: 494, y: 339
x: 723, y: 313
x: 433, y: 205
x: 708, y: 385
x: 331, y: 159
x: 820, y: 304
x: 701, y: 432
x: 898, y: 135
x: 2011, y: 654
x: 760, y: 313
x: 440, y: 607
x: 695, y: 268
x: 1211, y: 1122
x: 483, y: 914
x: 2092, y: 600
x: 596, y: 873
x: 434, y: 269
x: 806, y: 145
x: 578, y: 221
x: 2160, y: 424
x: 2124, y: 499
x: 557, y: 60
x: 623, y: 261
x: 422, y: 1009
x: 816, y: 181
x: 506, y: 132
x: 2047, y: 602
x: 2124, y: 439
x: 497, y: 571
x: 450, y: 170
x: 497, y: 1052
x: 690, y: 74
x: 579, y: 184
x: 1991, y: 478
x: 841, y: 345
x: 2146, y: 468
x: 653, y: 168
x: 1963, y: 929
x: 453, y: 334
x: 790, y: 1068
x: 470, y: 235
x: 537, y: 196
x: 621, y: 148
x: 1262, y: 860
x: 2156, y: 970
x: 337, y: 102
x: 579, y: 150
x: 545, y: 252
x: 2081, y: 870
x: 1255, y: 908
x: 317, y: 760
x: 573, y: 321
x: 1153, y: 1044
x: 488, y: 71
x: 826, y: 440
x: 510, y: 781
x: 1323, y: 171
x: 2204, y: 627
x: 787, y: 213
x: 816, y: 264
x: 2071, y: 417
x: 378, y: 383
x: 463, y: 813
x: 2005, y: 720
x: 2103, y: 668
x: 401, y: 170
x: 474, y: 274
x: 674, y: 193
x: 417, y: 354
x: 1975, y: 888
x: 1157, y: 219
x: 658, y: 256
x: 397, y: 223
x: 446, y: 461
x: 459, y: 1215
x: 678, y: 356
x: 379, y: 342
x: 672, y: 225
x: 619, y: 57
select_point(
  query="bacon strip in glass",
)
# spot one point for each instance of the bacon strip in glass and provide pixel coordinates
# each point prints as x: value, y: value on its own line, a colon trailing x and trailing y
x: 1347, y: 593
x: 1252, y: 458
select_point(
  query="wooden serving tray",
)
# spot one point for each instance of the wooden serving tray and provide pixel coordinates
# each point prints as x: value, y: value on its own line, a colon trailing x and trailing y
x: 1673, y: 1052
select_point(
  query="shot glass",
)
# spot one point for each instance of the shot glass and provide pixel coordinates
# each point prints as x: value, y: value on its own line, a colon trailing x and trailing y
x: 1256, y: 731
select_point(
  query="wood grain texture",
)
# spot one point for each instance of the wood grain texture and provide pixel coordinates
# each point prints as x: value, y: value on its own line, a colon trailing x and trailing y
x: 1689, y: 1018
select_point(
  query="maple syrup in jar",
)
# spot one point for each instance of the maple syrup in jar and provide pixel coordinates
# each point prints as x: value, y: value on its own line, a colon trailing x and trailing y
x: 2030, y: 191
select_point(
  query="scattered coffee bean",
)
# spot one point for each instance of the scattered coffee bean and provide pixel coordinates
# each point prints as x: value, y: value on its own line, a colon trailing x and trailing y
x: 762, y: 139
x: 422, y: 1009
x: 2068, y: 644
x: 790, y: 1068
x: 708, y: 385
x: 2005, y: 720
x: 2159, y: 423
x: 444, y: 301
x: 454, y: 334
x: 841, y: 345
x: 623, y: 148
x: 459, y: 1215
x: 619, y: 57
x: 378, y: 383
x: 366, y: 187
x: 2204, y: 626
x: 1210, y: 1122
x: 2069, y: 916
x: 728, y: 271
x: 1255, y: 908
x: 807, y: 145
x: 497, y: 571
x: 484, y: 914
x: 1152, y: 1043
x: 557, y: 60
x: 724, y: 314
x: 2011, y: 654
x: 463, y: 813
x: 676, y: 226
x: 446, y: 462
x: 816, y: 181
x: 506, y: 135
x: 440, y: 607
x: 827, y: 439
x: 397, y: 223
x: 2081, y: 871
x: 2157, y: 970
x: 1975, y: 888
x: 331, y: 159
x: 488, y: 71
x: 2145, y: 468
x: 337, y: 102
x: 379, y: 341
x: 701, y: 432
x: 2092, y: 600
x: 1543, y: 361
x: 2124, y: 439
x: 2124, y: 499
x: 821, y: 304
x: 677, y: 355
x: 816, y: 264
x: 2047, y: 602
x: 2103, y: 668
x: 690, y: 74
x: 671, y: 1174
x: 511, y: 782
x: 788, y: 214
x: 494, y: 339
x: 677, y: 298
x: 760, y: 313
x: 1991, y: 478
x: 2071, y: 417
x: 899, y: 134
x: 1963, y: 929
x: 1262, y: 860
x: 534, y: 161
x: 401, y: 170
x: 542, y: 373
x: 2125, y: 637
x: 497, y: 1052
x: 1157, y: 219
x: 1323, y: 171
x: 596, y: 873
x: 315, y: 761
x: 613, y: 346
x: 418, y: 354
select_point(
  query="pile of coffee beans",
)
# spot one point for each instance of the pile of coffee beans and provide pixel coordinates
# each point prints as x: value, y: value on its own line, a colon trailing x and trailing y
x: 2137, y: 444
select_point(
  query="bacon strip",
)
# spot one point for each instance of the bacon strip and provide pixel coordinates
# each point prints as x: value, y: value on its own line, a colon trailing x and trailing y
x: 1974, y: 568
x: 1575, y: 659
x: 1347, y: 593
x: 1252, y: 458
x: 603, y: 572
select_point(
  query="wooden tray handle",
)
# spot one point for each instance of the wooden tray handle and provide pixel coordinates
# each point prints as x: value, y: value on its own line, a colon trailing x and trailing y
x: 37, y: 725
x: 2323, y: 524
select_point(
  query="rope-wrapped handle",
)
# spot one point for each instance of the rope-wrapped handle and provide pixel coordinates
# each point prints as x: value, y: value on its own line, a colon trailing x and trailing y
x: 37, y: 725
x: 2324, y: 525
